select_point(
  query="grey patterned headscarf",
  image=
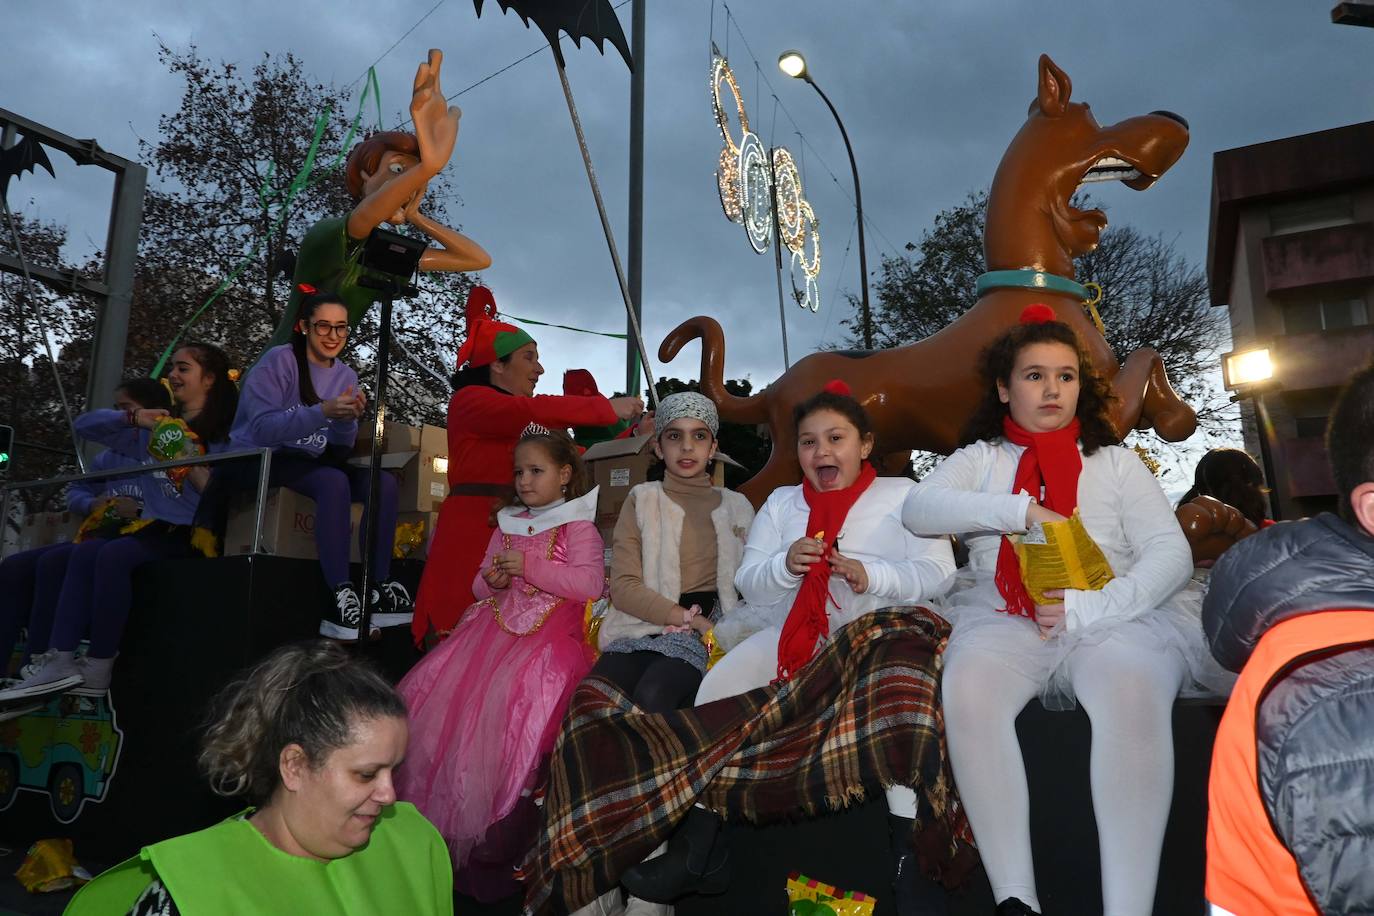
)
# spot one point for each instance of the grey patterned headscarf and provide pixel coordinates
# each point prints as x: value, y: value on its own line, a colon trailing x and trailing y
x: 689, y: 405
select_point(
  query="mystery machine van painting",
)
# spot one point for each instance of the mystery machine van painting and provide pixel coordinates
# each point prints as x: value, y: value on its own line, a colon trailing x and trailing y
x: 66, y: 748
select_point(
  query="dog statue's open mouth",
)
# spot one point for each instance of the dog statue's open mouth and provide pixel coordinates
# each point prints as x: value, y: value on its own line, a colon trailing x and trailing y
x: 1110, y: 168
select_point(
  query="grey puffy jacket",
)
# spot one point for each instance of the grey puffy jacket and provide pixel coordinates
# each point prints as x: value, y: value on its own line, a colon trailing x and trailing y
x: 1315, y: 725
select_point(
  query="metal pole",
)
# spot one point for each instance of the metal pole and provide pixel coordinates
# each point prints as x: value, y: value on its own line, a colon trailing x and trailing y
x: 374, y: 479
x: 260, y: 510
x: 859, y: 207
x: 112, y: 321
x: 43, y: 329
x: 1262, y: 421
x: 636, y: 242
x: 777, y: 257
x: 651, y: 395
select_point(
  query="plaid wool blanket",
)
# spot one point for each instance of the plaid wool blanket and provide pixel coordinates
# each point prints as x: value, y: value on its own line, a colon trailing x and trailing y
x: 863, y: 715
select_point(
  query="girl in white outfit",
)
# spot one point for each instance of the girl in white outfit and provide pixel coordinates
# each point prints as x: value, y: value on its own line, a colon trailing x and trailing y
x: 873, y: 562
x: 1040, y: 447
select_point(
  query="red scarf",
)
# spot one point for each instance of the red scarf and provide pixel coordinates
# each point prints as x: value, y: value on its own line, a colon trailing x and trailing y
x: 1052, y: 461
x: 807, y: 622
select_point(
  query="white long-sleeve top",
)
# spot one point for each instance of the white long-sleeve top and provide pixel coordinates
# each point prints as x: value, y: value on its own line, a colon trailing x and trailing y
x: 902, y: 567
x: 1121, y: 504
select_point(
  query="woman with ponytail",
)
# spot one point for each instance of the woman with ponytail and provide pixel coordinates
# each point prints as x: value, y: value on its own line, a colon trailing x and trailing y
x: 1041, y: 449
x: 97, y: 590
x: 311, y: 739
x: 493, y: 402
x: 304, y: 401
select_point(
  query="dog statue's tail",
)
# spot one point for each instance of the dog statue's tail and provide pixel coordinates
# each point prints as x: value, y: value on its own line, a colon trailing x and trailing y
x: 733, y: 408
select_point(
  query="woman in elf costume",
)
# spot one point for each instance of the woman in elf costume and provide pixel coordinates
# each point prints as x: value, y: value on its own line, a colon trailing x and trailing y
x: 1040, y: 449
x: 493, y: 401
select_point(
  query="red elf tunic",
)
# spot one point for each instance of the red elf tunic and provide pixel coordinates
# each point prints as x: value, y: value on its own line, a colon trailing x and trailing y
x: 484, y: 425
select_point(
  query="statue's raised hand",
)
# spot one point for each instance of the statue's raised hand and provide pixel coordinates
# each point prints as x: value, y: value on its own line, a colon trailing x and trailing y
x: 436, y: 122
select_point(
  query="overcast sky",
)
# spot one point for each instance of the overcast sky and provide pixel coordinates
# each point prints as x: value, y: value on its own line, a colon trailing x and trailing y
x: 931, y: 92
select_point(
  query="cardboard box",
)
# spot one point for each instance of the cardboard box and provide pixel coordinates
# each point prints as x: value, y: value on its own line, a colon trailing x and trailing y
x: 288, y: 527
x: 419, y: 455
x: 617, y: 465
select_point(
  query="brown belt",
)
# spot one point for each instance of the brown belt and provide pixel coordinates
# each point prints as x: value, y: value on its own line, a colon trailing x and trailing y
x: 479, y: 489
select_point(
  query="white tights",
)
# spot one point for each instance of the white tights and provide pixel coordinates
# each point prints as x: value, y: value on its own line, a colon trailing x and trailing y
x: 1128, y: 693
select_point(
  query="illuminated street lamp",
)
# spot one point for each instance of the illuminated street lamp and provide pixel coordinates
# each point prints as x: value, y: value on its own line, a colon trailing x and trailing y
x: 1245, y: 368
x: 794, y: 65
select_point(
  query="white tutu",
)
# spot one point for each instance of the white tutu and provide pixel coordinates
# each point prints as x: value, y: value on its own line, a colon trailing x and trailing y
x: 1174, y: 628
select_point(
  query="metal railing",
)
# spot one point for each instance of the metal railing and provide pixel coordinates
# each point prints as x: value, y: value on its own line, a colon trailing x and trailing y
x: 264, y: 456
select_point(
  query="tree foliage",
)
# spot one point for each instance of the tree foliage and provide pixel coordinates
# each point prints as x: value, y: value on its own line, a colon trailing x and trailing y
x: 225, y: 160
x: 29, y: 399
x: 1151, y: 296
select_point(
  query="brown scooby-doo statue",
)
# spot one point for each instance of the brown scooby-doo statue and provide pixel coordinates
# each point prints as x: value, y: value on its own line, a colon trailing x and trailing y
x: 920, y: 395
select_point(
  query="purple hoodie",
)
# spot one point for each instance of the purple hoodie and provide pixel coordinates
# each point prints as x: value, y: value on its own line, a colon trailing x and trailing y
x: 270, y: 411
x: 161, y: 500
x: 82, y: 494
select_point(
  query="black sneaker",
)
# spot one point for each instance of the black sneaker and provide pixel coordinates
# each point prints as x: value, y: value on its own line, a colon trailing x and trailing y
x: 342, y: 622
x: 391, y: 605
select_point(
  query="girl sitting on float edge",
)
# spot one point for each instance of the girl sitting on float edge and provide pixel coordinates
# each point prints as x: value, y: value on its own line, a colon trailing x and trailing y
x: 303, y: 401
x: 485, y: 705
x: 677, y: 547
x: 97, y: 591
x: 819, y: 556
x: 1040, y: 449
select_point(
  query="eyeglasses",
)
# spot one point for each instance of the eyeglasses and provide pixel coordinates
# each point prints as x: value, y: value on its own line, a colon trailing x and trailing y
x: 325, y: 329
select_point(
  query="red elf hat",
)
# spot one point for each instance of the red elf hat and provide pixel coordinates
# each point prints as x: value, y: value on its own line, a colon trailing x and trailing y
x: 488, y: 339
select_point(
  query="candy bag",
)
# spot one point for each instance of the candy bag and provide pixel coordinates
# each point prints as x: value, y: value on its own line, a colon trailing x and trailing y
x: 173, y: 439
x: 809, y: 897
x: 409, y: 537
x: 1061, y: 555
x: 51, y: 866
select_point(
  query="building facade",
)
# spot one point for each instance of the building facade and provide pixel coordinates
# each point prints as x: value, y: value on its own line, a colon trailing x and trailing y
x: 1291, y: 256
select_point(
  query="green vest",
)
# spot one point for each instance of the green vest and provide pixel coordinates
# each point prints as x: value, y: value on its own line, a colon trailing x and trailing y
x: 231, y: 869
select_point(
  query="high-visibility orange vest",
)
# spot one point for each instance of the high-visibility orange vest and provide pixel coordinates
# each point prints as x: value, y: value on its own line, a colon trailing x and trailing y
x: 1249, y: 870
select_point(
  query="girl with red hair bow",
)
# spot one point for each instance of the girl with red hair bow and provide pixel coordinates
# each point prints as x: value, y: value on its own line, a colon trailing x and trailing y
x: 1039, y: 449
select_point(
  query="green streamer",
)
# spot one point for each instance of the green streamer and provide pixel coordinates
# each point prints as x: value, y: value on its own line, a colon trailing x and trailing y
x: 301, y: 181
x: 565, y: 327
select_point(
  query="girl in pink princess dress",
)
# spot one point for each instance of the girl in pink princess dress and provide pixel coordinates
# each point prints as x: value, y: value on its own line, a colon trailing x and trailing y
x: 485, y: 705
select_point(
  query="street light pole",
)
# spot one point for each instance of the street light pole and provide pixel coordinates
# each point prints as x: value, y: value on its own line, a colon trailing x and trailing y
x: 794, y: 65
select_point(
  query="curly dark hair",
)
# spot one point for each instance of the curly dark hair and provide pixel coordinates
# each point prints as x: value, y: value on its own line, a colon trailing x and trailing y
x: 995, y: 365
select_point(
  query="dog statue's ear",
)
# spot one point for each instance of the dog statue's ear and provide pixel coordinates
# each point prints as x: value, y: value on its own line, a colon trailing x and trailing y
x: 1054, y: 88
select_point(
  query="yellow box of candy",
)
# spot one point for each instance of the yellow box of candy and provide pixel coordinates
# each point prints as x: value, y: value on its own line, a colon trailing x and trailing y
x: 1061, y: 555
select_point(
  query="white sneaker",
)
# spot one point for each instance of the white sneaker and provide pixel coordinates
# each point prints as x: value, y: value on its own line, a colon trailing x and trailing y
x: 36, y: 664
x: 57, y: 674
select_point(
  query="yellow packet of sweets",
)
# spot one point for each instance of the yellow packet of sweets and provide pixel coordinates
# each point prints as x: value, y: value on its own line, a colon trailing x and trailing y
x: 809, y: 897
x: 1061, y: 555
x: 51, y: 866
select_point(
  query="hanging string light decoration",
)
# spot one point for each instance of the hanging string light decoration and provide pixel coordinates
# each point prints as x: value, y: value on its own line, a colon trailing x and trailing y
x: 751, y: 183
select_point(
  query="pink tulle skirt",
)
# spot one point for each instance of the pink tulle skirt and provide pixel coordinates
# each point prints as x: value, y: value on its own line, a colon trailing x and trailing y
x: 485, y: 707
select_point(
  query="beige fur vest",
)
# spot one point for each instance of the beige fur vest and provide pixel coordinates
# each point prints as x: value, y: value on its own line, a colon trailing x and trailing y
x: 660, y: 530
